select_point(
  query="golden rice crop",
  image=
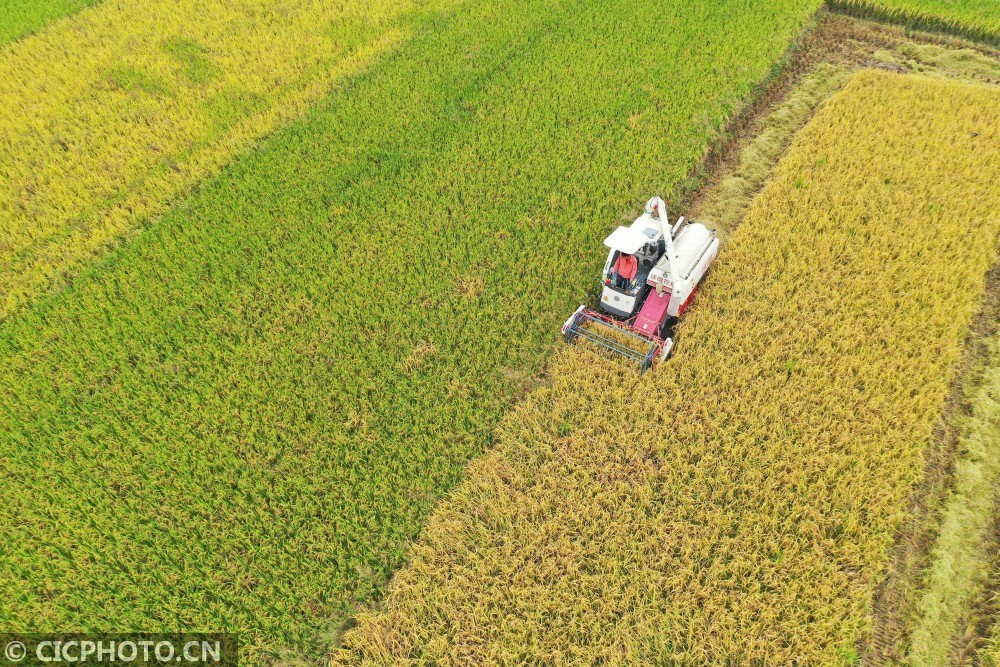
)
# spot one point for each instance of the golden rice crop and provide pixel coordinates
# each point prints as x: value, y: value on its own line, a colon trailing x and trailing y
x: 109, y: 116
x: 737, y: 505
x: 624, y: 341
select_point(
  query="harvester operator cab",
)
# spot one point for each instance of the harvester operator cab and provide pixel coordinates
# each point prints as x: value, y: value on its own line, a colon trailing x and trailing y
x: 624, y: 270
x: 634, y: 252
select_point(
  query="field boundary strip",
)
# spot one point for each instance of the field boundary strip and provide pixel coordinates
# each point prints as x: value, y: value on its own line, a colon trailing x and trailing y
x: 958, y: 570
x: 916, y: 20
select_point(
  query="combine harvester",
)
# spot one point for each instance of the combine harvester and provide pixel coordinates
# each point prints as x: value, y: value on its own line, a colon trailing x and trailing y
x: 653, y: 269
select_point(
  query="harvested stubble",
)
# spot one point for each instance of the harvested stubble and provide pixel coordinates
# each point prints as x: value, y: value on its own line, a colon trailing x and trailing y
x: 110, y: 116
x: 738, y: 505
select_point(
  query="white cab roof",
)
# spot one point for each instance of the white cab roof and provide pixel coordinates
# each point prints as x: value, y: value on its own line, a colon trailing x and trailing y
x: 626, y: 239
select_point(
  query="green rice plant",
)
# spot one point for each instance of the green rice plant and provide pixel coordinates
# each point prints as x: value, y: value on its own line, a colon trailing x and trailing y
x: 974, y: 19
x: 239, y: 418
x: 989, y: 654
x: 19, y: 18
x: 738, y: 504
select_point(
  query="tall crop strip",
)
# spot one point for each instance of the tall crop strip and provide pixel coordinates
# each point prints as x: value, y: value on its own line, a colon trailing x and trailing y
x: 977, y: 19
x: 241, y: 417
x: 737, y: 505
x: 110, y: 117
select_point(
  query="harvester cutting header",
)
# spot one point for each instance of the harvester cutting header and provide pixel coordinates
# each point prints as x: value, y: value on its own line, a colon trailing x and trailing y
x: 649, y: 279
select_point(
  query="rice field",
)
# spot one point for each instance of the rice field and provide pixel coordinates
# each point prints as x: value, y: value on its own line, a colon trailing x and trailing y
x: 280, y: 282
x: 989, y: 654
x: 240, y: 417
x: 737, y: 506
x: 111, y: 117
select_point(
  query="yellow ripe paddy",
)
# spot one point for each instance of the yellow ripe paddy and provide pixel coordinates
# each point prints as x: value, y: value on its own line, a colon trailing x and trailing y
x: 108, y: 118
x: 737, y: 505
